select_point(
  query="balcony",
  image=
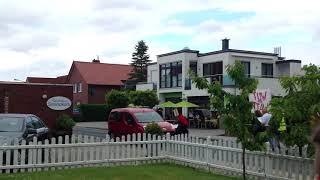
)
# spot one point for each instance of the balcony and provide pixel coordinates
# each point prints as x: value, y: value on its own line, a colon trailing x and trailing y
x: 146, y: 86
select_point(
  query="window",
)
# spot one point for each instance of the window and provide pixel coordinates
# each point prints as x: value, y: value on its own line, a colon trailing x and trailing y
x: 193, y: 66
x: 246, y: 68
x: 91, y: 91
x: 79, y: 87
x: 212, y: 68
x: 129, y: 119
x: 36, y: 123
x: 74, y: 88
x: 171, y: 75
x: 11, y: 124
x: 267, y: 70
x: 114, y: 116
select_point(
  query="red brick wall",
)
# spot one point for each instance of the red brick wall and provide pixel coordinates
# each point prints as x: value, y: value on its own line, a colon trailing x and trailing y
x: 100, y: 91
x: 75, y: 77
x: 27, y: 99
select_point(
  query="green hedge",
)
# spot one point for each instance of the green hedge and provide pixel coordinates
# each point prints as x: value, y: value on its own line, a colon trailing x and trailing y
x: 94, y: 112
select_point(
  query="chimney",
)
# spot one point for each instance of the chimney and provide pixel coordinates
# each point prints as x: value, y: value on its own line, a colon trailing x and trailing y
x: 225, y: 44
x: 96, y: 61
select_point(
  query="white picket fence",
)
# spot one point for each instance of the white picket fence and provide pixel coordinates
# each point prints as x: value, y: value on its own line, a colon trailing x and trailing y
x: 218, y: 154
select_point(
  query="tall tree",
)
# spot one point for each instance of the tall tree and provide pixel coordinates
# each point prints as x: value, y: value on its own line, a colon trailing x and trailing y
x: 300, y: 107
x: 235, y: 110
x: 140, y: 60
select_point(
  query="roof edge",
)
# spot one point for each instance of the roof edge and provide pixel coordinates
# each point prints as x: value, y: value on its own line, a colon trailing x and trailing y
x: 288, y: 61
x: 178, y: 52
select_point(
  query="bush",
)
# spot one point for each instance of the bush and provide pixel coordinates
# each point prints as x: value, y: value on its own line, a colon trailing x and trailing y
x: 154, y: 129
x: 65, y: 122
x: 117, y: 99
x: 94, y: 112
x: 144, y: 98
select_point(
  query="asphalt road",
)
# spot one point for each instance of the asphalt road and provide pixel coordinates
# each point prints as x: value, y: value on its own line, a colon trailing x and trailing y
x: 99, y: 129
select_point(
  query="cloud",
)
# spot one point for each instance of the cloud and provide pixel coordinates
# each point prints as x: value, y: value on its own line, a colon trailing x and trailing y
x: 57, y: 32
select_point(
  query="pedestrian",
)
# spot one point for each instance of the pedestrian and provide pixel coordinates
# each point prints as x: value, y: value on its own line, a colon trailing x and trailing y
x: 183, y: 124
x: 257, y: 125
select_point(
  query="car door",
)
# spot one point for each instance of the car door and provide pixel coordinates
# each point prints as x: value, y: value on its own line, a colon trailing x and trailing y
x: 114, y: 124
x: 30, y: 125
x: 42, y: 130
x: 129, y: 125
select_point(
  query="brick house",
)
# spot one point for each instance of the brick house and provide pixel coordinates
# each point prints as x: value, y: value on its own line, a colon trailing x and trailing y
x: 91, y: 80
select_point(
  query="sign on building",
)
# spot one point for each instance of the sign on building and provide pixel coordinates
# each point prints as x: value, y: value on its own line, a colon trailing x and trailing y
x: 261, y: 98
x: 59, y: 103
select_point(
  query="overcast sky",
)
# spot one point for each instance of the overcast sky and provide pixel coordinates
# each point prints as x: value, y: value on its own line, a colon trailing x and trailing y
x: 43, y: 37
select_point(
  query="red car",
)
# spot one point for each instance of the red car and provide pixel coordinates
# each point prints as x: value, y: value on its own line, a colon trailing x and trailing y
x: 125, y: 121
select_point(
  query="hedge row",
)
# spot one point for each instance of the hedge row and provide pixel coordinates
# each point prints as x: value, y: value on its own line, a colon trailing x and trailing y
x: 94, y: 112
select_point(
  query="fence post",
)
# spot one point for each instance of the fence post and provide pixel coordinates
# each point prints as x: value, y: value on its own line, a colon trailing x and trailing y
x: 208, y: 142
x: 267, y: 162
x: 167, y: 148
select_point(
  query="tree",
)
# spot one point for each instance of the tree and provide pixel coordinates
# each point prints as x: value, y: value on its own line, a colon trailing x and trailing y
x: 140, y: 60
x: 235, y: 110
x: 300, y: 107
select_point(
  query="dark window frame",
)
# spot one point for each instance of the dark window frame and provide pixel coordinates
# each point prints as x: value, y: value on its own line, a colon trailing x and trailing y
x: 169, y: 74
x: 213, y: 68
x: 265, y: 70
x: 249, y: 67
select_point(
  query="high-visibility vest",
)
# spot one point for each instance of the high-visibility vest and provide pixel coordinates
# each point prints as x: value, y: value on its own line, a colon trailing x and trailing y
x: 283, y: 126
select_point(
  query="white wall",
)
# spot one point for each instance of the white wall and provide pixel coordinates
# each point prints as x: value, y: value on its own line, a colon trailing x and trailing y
x: 152, y: 75
x: 144, y: 87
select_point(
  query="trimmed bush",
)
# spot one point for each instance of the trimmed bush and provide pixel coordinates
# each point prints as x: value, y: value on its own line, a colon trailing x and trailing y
x: 94, y: 112
x: 117, y: 99
x: 154, y: 129
x: 143, y: 98
x: 65, y: 122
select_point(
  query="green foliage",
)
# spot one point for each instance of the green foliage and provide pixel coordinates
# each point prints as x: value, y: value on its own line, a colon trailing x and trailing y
x: 64, y: 122
x: 117, y: 99
x: 143, y: 98
x: 140, y: 60
x: 154, y: 129
x: 236, y: 114
x: 300, y: 107
x: 94, y: 112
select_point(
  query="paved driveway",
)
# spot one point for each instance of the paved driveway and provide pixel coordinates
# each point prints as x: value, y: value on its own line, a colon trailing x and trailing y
x: 100, y: 129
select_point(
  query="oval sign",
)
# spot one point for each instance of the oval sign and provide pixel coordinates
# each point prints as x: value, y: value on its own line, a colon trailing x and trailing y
x: 59, y: 103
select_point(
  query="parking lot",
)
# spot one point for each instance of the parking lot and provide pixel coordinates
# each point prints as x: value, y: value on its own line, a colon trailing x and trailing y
x: 100, y: 129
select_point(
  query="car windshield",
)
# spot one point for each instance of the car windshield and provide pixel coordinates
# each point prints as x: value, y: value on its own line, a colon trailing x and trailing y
x: 11, y: 124
x: 145, y: 117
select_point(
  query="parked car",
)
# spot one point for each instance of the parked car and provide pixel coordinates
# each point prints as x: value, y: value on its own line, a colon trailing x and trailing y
x: 21, y: 127
x: 125, y: 121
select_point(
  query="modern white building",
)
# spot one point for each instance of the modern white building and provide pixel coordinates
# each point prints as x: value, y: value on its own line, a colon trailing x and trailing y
x: 169, y: 75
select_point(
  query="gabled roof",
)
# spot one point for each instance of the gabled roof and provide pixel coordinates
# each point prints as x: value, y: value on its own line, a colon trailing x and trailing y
x: 57, y: 80
x: 97, y: 73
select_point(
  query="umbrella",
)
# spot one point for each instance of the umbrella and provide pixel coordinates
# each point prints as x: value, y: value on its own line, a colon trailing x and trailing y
x: 186, y: 104
x: 167, y: 104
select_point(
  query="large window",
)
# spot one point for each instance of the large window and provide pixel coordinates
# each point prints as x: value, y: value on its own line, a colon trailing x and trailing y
x: 212, y: 69
x: 267, y: 70
x: 193, y: 66
x: 171, y: 75
x: 246, y: 67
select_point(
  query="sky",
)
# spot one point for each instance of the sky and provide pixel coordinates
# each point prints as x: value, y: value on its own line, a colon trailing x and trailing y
x: 43, y: 37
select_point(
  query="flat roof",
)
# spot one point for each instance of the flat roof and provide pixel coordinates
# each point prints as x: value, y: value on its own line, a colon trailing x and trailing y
x: 217, y: 52
x: 39, y: 84
x: 288, y: 61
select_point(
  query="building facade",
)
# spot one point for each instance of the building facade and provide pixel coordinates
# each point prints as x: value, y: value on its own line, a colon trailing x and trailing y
x: 171, y: 78
x: 90, y: 80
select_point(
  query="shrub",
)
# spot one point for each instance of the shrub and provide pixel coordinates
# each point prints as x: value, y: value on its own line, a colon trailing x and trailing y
x: 65, y: 122
x: 143, y: 98
x: 94, y: 112
x: 154, y: 129
x: 117, y: 99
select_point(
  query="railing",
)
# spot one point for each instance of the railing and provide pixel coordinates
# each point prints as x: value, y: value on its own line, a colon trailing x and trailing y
x: 220, y: 154
x: 146, y: 86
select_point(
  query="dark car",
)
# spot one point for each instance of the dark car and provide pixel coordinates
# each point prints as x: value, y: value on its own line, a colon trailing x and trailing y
x: 21, y: 127
x: 125, y: 121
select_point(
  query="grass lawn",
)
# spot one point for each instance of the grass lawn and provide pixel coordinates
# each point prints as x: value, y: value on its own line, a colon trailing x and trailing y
x: 149, y: 172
